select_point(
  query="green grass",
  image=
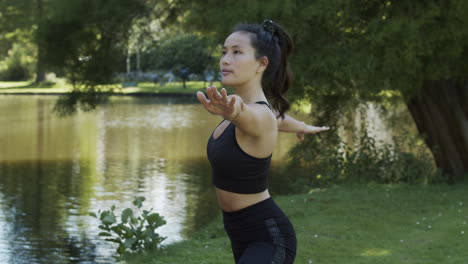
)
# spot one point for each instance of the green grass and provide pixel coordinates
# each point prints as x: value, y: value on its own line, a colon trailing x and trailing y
x: 175, y: 87
x: 354, y: 224
x: 31, y: 87
x: 144, y: 87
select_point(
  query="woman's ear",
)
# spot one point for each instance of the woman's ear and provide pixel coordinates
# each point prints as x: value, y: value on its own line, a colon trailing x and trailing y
x: 262, y: 64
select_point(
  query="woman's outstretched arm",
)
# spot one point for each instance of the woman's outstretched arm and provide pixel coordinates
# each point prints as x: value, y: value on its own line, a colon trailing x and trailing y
x: 289, y: 124
x: 252, y: 119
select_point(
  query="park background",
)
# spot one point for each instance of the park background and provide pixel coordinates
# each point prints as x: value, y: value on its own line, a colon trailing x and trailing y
x: 98, y: 106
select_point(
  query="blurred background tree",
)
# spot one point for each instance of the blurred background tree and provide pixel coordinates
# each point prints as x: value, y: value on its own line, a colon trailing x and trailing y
x: 349, y: 51
x: 17, y: 40
x: 86, y: 40
x: 176, y: 53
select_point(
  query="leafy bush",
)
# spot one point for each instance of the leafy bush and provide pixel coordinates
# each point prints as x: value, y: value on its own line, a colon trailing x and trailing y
x: 134, y: 233
x: 19, y: 64
x: 384, y: 164
x: 328, y: 159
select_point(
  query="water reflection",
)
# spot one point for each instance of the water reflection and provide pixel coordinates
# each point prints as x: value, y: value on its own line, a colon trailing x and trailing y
x: 36, y: 206
x: 53, y: 171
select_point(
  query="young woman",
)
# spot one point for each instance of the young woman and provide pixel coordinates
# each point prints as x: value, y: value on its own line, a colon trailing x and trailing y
x: 255, y: 64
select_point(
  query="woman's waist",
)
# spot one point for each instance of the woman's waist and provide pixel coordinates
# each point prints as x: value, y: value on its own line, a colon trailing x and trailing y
x: 232, y: 202
x: 255, y: 217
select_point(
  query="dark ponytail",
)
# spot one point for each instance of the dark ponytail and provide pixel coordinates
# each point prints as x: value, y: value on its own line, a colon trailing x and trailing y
x: 271, y: 40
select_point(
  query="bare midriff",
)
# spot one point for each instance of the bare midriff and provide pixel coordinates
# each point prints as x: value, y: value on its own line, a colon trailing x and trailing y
x: 230, y: 202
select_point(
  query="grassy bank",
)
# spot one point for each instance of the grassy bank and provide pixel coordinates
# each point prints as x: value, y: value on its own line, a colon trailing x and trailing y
x: 60, y: 87
x: 354, y: 224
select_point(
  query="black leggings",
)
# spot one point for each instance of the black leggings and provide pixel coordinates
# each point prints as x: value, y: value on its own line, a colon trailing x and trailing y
x: 261, y: 234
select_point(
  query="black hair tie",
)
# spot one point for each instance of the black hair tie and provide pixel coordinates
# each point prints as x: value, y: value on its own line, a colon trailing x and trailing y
x: 268, y: 25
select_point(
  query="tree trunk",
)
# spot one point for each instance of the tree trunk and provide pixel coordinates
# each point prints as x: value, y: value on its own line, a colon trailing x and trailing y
x: 440, y: 111
x: 40, y: 66
x: 127, y: 61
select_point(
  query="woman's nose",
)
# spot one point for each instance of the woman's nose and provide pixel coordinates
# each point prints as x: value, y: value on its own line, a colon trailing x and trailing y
x: 225, y: 59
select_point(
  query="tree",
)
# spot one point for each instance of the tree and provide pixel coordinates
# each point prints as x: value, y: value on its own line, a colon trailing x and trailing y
x: 357, y: 49
x: 414, y: 47
x: 86, y: 39
x: 86, y: 43
x: 40, y: 41
x: 27, y: 16
x: 16, y: 39
x: 183, y: 54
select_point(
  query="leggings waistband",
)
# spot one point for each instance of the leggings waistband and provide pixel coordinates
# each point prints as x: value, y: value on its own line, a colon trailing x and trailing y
x: 253, y: 213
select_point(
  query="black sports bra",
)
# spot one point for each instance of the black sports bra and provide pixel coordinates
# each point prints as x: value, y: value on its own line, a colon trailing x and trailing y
x: 233, y: 169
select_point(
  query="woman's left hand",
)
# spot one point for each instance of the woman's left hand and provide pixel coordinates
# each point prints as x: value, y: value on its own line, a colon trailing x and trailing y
x: 308, y: 129
x: 219, y: 103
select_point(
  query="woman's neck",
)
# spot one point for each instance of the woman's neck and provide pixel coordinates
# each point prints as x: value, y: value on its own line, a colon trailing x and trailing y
x: 250, y: 93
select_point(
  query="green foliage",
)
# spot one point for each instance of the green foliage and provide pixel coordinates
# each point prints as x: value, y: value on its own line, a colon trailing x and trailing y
x: 16, y: 15
x: 354, y: 50
x: 17, y: 51
x: 176, y: 52
x: 86, y: 39
x: 85, y: 42
x: 348, y: 47
x: 19, y: 64
x: 134, y: 233
x: 327, y: 159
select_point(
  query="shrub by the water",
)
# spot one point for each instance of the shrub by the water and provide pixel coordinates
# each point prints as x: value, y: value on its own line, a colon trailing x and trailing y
x: 135, y: 232
x: 327, y: 159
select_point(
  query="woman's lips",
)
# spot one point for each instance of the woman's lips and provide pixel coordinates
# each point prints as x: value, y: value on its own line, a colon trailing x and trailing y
x: 226, y: 72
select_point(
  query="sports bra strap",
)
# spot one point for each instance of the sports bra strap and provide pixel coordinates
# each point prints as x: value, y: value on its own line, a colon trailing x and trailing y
x: 263, y: 102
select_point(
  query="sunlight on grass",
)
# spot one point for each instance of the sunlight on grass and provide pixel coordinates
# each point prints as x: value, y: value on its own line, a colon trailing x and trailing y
x: 374, y: 252
x: 36, y: 91
x: 4, y: 85
x: 27, y: 86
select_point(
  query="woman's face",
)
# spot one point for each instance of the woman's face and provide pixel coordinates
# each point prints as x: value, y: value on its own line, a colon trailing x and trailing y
x: 238, y: 64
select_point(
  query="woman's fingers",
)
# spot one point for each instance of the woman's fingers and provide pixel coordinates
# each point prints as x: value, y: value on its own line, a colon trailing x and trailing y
x: 224, y: 95
x: 300, y: 136
x: 220, y: 97
x: 213, y: 93
x: 314, y: 129
x: 232, y: 102
x: 201, y: 97
x: 217, y: 103
x: 209, y: 93
x: 217, y: 95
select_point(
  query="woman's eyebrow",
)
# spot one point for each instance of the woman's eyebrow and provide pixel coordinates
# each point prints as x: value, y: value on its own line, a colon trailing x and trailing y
x: 234, y: 46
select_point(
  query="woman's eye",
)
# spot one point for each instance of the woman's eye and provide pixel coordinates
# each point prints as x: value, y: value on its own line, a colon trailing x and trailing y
x: 234, y: 52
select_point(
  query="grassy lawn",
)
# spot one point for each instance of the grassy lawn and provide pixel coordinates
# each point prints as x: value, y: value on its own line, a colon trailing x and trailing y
x: 354, y: 224
x: 62, y: 87
x: 175, y: 87
x: 31, y: 87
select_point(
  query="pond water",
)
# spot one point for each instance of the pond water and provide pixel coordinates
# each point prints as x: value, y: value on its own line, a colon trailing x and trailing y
x: 54, y: 171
